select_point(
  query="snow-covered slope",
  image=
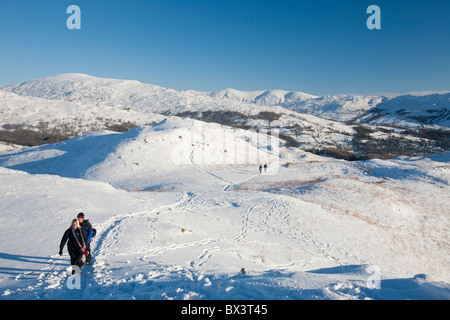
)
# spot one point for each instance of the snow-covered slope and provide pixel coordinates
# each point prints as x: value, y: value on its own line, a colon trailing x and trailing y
x: 148, y: 158
x: 74, y: 103
x: 68, y: 117
x: 265, y: 98
x: 419, y: 109
x: 342, y: 108
x: 178, y: 218
x: 180, y: 206
x: 85, y: 88
x: 129, y: 94
x: 397, y: 110
x: 121, y: 96
x: 410, y: 110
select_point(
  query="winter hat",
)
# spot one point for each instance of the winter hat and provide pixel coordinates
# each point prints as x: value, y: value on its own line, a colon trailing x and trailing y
x: 80, y: 215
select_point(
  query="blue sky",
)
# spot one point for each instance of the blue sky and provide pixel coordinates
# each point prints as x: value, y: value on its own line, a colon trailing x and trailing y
x: 319, y: 47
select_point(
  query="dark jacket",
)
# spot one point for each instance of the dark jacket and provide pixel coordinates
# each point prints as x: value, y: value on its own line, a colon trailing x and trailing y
x: 87, y: 226
x: 72, y: 245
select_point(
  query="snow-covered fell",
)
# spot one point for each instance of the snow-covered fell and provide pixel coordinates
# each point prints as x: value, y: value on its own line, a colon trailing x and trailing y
x: 75, y: 103
x: 129, y: 94
x: 265, y: 98
x: 144, y: 99
x: 148, y: 158
x: 178, y: 217
x: 181, y: 206
x: 421, y: 109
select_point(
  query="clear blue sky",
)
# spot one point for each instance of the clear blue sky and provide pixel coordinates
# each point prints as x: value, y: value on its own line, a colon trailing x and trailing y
x: 318, y: 47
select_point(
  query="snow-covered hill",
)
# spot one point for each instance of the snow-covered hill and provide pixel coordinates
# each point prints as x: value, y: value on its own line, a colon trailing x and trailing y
x: 264, y: 98
x: 72, y: 104
x: 114, y: 97
x: 149, y: 158
x: 128, y: 94
x: 423, y: 108
x: 341, y: 108
x: 181, y: 207
x: 180, y: 213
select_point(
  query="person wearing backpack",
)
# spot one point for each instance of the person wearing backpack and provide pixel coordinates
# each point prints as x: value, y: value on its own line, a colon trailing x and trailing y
x: 75, y: 237
x: 90, y: 232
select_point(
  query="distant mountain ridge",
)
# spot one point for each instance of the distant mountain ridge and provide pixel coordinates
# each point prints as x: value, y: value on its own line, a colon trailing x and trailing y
x: 58, y: 107
x: 421, y: 107
x: 429, y: 108
x: 265, y: 98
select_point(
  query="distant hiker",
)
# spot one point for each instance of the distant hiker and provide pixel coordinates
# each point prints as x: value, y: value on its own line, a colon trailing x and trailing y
x: 265, y: 168
x: 76, y: 244
x: 90, y: 232
x: 260, y: 169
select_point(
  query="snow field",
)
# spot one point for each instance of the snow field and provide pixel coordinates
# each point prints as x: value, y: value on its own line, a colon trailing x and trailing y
x: 307, y: 229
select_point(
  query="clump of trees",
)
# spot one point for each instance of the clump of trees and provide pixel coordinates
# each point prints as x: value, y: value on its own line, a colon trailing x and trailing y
x: 121, y: 127
x: 338, y: 153
x: 430, y: 141
x: 44, y: 133
x: 30, y: 138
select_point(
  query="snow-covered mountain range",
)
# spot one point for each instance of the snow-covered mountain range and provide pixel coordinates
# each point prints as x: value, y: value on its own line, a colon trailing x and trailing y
x: 71, y: 104
x: 408, y: 109
x: 133, y: 96
x: 181, y: 208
